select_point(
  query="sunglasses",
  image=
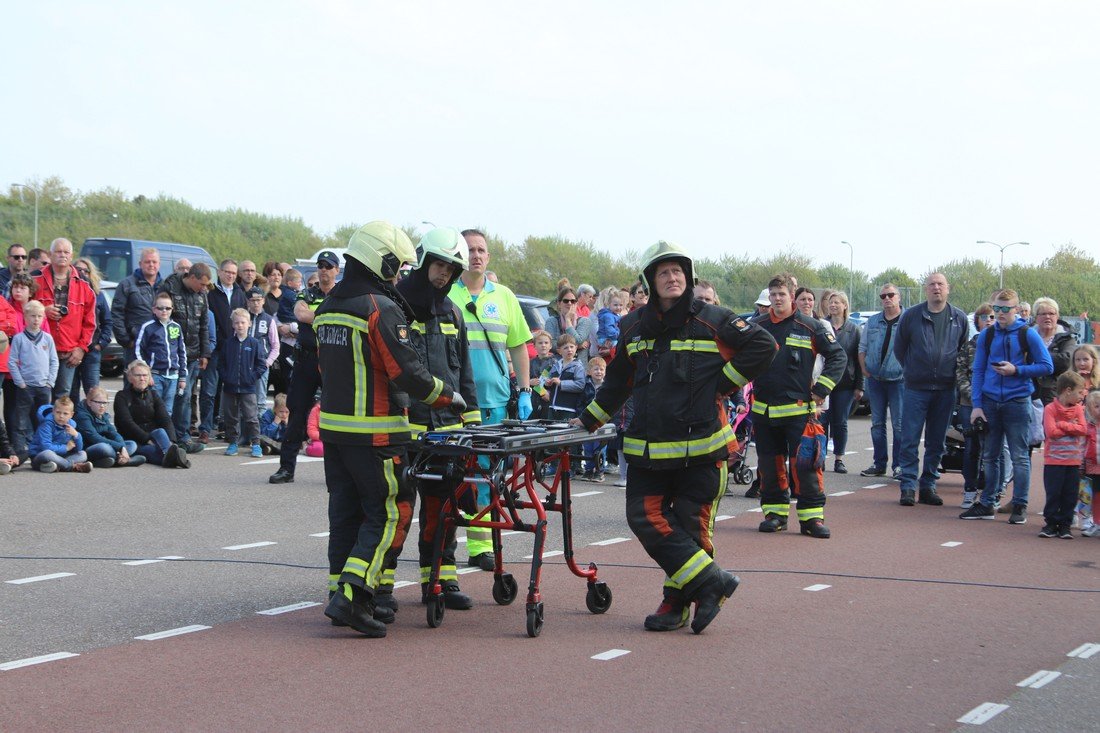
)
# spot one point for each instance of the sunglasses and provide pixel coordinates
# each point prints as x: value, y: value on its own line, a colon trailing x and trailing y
x: 326, y: 266
x: 163, y: 308
x: 1003, y: 308
x: 568, y: 300
x: 18, y: 257
x: 885, y: 296
x: 83, y: 270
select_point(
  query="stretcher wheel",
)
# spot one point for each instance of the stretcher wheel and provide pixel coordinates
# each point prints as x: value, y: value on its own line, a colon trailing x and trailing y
x: 505, y: 589
x: 436, y: 608
x: 743, y: 475
x: 598, y: 598
x: 534, y: 620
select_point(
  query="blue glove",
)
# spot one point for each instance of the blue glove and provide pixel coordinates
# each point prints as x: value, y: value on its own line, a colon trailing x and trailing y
x: 524, y: 406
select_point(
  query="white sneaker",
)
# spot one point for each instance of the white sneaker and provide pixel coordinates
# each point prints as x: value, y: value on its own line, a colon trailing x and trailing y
x: 620, y: 481
x: 1093, y: 531
x: 969, y: 497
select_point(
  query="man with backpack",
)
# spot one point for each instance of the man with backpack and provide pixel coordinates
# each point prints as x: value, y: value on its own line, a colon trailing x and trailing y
x: 1008, y: 358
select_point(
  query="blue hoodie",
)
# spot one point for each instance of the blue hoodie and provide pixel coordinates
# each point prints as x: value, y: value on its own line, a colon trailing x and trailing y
x: 51, y: 436
x: 987, y: 384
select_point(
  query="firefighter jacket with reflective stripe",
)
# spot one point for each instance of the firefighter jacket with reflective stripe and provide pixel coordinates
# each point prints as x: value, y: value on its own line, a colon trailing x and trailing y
x: 677, y: 379
x: 784, y: 390
x: 442, y: 347
x: 370, y: 370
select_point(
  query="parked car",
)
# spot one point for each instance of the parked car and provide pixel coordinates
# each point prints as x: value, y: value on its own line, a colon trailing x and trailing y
x: 535, y: 311
x: 118, y: 258
x: 113, y: 358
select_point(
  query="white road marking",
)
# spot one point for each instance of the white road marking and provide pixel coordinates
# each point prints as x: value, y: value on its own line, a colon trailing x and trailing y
x: 273, y: 461
x: 1039, y: 679
x: 723, y: 517
x: 817, y: 587
x: 402, y: 584
x: 1085, y: 651
x: 871, y: 448
x: 172, y: 632
x: 288, y: 609
x: 467, y: 571
x: 587, y: 493
x: 950, y: 544
x: 982, y: 713
x: 852, y: 452
x: 16, y: 664
x: 839, y: 493
x: 319, y: 534
x: 162, y: 558
x: 550, y: 553
x: 874, y: 486
x: 36, y: 578
x: 612, y: 541
x: 250, y: 545
x: 757, y: 509
x: 609, y: 654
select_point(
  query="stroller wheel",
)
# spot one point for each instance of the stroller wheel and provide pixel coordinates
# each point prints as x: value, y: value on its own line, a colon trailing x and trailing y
x: 743, y: 475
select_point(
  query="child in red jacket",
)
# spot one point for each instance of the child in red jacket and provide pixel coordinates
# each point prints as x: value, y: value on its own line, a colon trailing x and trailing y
x: 1092, y: 458
x: 1063, y: 453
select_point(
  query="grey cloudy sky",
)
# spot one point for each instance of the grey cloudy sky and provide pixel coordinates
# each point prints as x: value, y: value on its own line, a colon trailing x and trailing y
x: 909, y: 129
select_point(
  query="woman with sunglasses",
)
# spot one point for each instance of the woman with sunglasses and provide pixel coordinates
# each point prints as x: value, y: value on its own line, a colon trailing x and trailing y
x: 567, y: 320
x: 87, y: 374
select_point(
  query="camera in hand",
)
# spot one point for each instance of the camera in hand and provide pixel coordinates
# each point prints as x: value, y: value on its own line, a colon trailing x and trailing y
x: 980, y: 426
x: 63, y: 310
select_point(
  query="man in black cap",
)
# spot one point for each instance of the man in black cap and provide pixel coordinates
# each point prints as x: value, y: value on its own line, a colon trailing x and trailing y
x: 306, y: 378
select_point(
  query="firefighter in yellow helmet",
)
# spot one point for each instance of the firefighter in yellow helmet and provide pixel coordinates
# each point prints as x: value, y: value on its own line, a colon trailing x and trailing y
x: 677, y: 357
x: 365, y: 353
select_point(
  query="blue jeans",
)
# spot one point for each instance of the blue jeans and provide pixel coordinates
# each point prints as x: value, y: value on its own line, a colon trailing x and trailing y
x: 927, y: 411
x: 64, y: 462
x: 154, y: 452
x: 261, y: 391
x: 166, y: 388
x: 1008, y: 421
x: 96, y: 451
x: 27, y: 402
x: 181, y: 411
x: 87, y: 374
x: 836, y: 420
x: 882, y: 396
x: 210, y: 383
x: 63, y: 385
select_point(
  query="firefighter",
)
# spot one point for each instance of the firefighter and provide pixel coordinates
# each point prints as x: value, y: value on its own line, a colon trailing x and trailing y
x: 678, y: 358
x: 439, y: 335
x: 366, y: 354
x: 785, y: 398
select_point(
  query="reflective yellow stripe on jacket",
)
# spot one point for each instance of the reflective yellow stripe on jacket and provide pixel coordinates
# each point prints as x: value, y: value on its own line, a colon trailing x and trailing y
x: 779, y: 411
x: 659, y: 451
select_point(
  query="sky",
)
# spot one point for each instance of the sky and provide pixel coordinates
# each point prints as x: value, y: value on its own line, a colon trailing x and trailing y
x: 909, y: 129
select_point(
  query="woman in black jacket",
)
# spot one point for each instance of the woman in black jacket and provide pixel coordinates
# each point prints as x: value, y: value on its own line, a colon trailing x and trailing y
x: 141, y: 417
x: 850, y: 386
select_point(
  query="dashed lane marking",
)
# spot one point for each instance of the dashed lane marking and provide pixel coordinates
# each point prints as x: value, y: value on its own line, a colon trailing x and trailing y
x: 586, y: 493
x: 1085, y: 651
x: 873, y: 486
x: 162, y: 558
x: 172, y: 632
x: 29, y: 661
x: 840, y: 493
x: 288, y: 609
x: 467, y: 571
x: 250, y: 545
x: 612, y: 541
x: 1039, y: 679
x: 610, y: 654
x: 982, y: 713
x: 723, y: 517
x: 402, y: 584
x: 319, y: 534
x: 550, y: 553
x: 950, y: 544
x: 756, y: 509
x: 817, y: 587
x: 273, y: 461
x: 37, y: 578
x: 460, y: 540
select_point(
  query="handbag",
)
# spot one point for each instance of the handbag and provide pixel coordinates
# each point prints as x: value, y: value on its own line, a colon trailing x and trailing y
x: 811, y: 449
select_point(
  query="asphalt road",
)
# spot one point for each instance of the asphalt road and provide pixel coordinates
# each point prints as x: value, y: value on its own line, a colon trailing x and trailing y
x: 910, y: 631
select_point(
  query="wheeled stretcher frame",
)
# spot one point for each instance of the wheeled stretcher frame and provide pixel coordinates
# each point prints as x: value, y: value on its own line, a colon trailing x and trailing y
x: 513, y: 459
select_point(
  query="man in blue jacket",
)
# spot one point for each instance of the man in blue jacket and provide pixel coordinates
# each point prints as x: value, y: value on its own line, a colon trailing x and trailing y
x: 1007, y: 360
x: 883, y: 376
x: 928, y: 340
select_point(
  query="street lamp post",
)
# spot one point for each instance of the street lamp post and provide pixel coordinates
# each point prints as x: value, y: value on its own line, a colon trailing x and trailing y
x: 1002, y: 247
x: 27, y: 185
x: 851, y: 273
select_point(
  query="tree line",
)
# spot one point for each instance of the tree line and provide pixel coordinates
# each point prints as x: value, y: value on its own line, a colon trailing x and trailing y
x: 534, y: 266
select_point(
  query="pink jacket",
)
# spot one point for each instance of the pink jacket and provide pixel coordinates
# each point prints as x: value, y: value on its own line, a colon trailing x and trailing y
x: 314, y: 446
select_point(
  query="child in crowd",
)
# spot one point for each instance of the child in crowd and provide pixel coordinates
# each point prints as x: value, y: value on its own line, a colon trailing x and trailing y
x: 273, y: 424
x: 1092, y: 458
x: 266, y: 333
x: 33, y: 365
x: 57, y: 446
x: 540, y: 365
x: 1086, y: 362
x: 314, y: 447
x: 103, y: 443
x: 159, y: 344
x: 240, y: 364
x: 594, y: 450
x: 607, y: 335
x: 566, y: 381
x: 1063, y: 453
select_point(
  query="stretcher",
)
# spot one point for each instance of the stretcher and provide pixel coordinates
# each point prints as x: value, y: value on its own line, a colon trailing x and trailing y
x: 526, y: 466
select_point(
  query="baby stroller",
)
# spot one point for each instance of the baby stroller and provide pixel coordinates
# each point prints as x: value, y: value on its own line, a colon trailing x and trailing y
x: 739, y: 469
